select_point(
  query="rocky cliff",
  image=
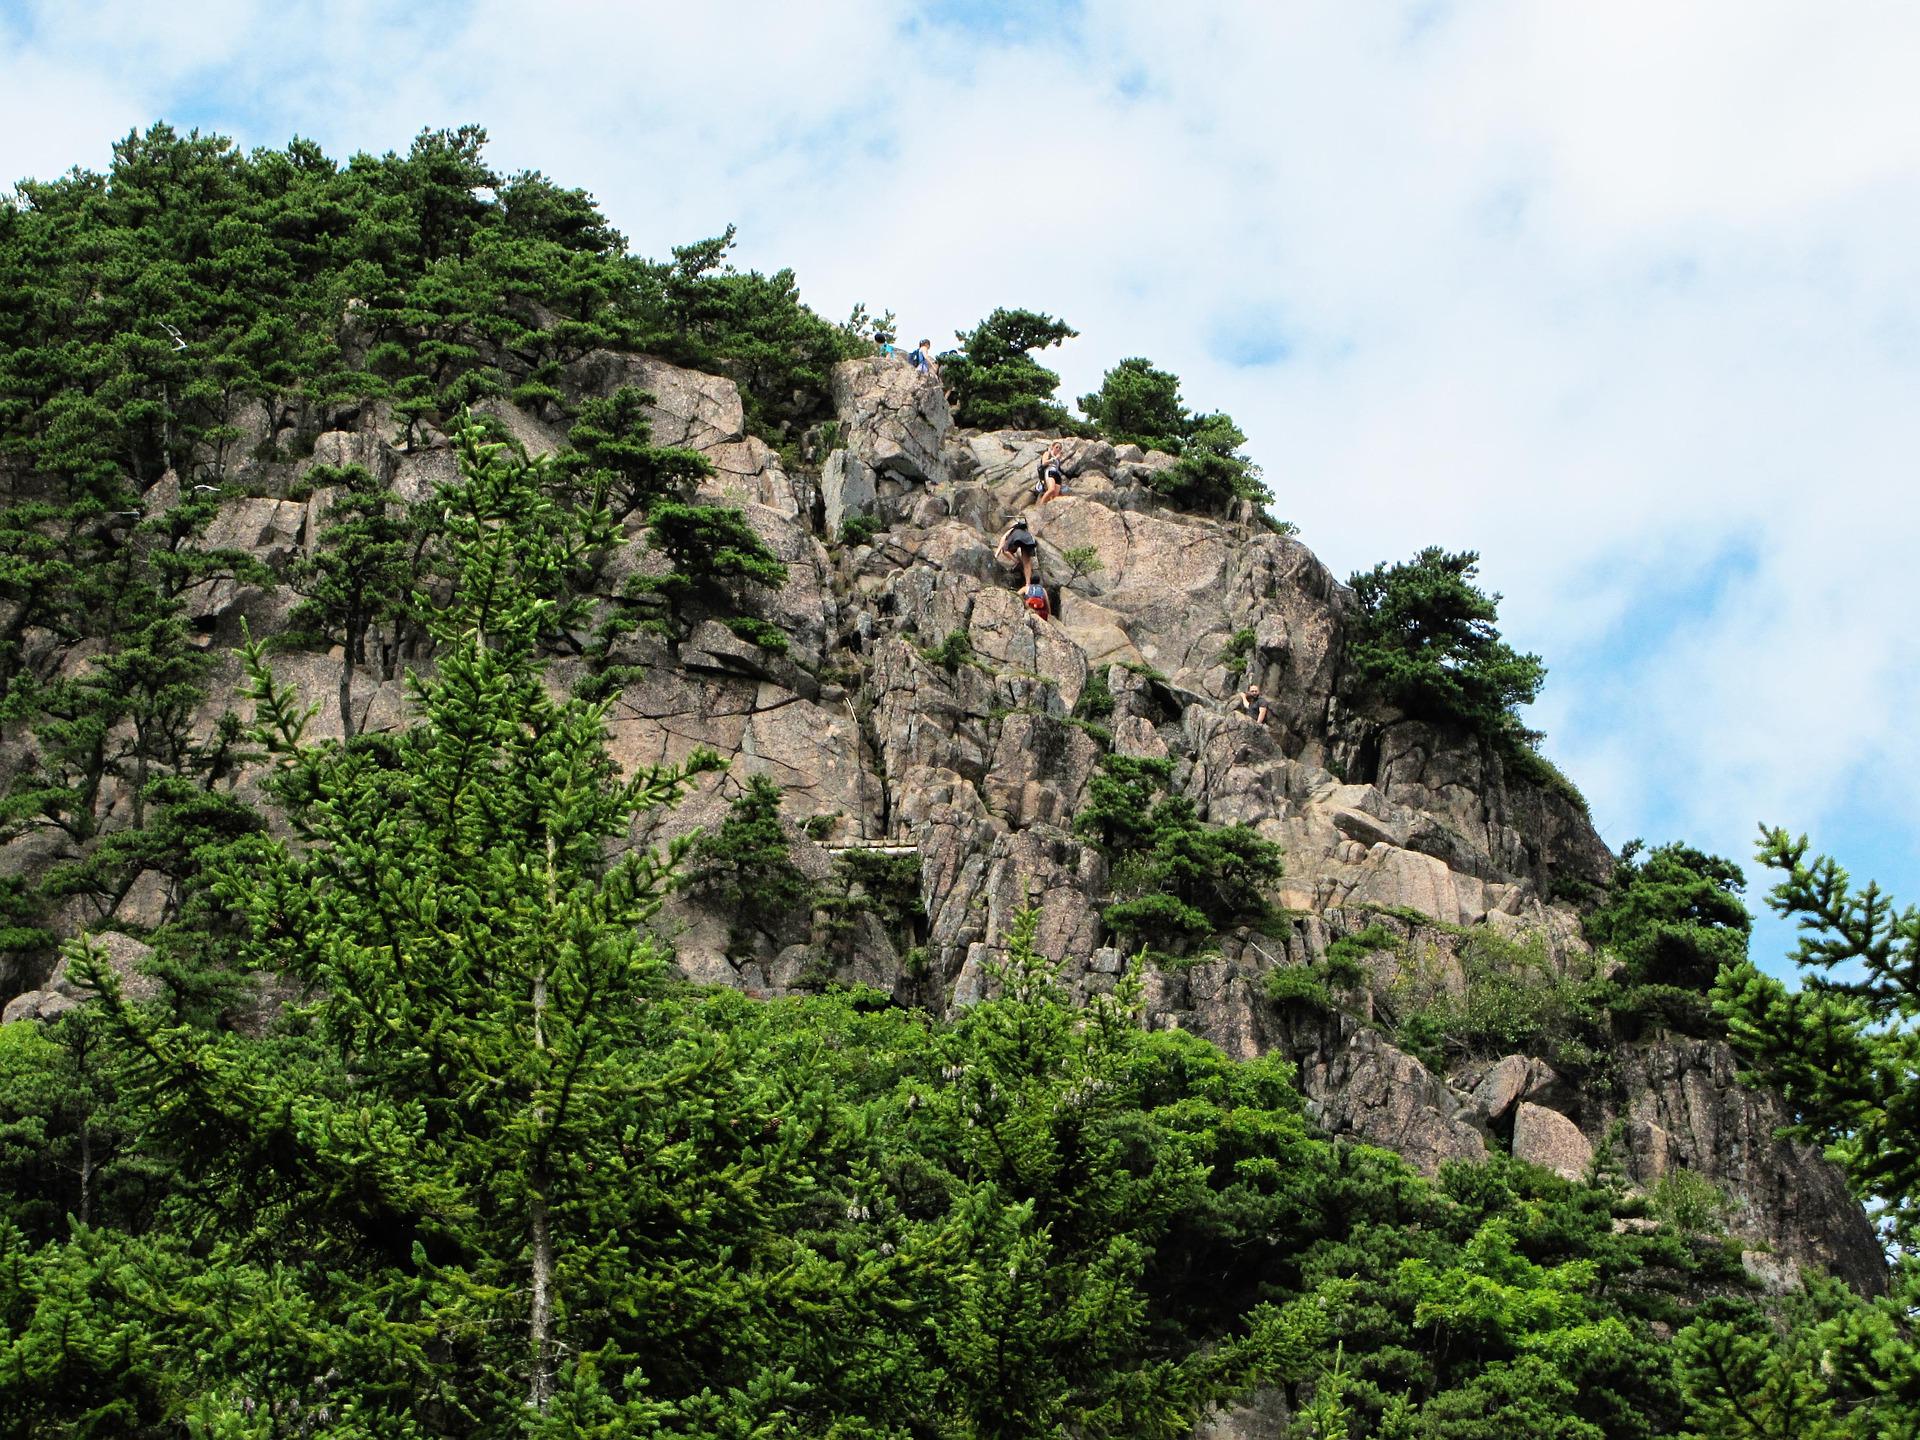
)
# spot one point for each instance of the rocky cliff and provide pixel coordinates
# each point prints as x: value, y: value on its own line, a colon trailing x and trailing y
x: 1403, y: 838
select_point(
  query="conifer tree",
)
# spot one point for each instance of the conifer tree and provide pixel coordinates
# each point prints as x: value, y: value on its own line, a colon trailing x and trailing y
x: 358, y: 575
x: 453, y: 904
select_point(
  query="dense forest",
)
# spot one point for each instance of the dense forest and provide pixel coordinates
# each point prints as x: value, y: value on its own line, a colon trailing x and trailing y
x: 482, y: 1162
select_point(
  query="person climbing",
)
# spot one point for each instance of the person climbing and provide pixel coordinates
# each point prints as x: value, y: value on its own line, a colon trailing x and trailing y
x: 923, y: 361
x: 1037, y: 601
x: 1252, y: 703
x: 1053, y: 474
x: 1018, y: 547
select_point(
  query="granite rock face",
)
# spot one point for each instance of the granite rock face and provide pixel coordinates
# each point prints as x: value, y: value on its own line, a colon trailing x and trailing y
x: 1684, y: 1107
x: 922, y: 708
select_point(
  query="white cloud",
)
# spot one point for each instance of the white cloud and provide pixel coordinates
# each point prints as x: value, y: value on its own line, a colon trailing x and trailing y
x: 1607, y: 293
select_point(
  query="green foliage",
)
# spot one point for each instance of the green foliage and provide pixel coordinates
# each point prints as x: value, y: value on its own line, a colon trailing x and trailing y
x: 713, y: 555
x: 613, y: 459
x: 1177, y: 881
x: 869, y: 329
x: 1346, y: 952
x: 750, y: 327
x: 1689, y: 1202
x: 1843, y: 1048
x: 1423, y: 639
x: 867, y: 882
x: 1516, y: 999
x: 951, y: 653
x: 996, y: 383
x: 1673, y: 914
x: 1342, y: 969
x: 1297, y: 984
x: 1140, y: 405
x: 744, y: 869
x: 1081, y: 561
x: 1239, y: 646
x: 360, y: 574
x: 1096, y: 698
x: 755, y: 631
x: 1824, y: 1365
x: 859, y: 530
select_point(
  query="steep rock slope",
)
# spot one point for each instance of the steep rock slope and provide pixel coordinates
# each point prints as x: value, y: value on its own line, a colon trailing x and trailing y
x: 878, y: 738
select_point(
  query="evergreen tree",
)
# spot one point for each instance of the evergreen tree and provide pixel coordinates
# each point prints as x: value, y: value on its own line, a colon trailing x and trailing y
x: 1137, y: 404
x: 1673, y: 914
x: 1423, y: 639
x: 612, y: 454
x: 745, y: 868
x: 1843, y: 1048
x: 359, y: 574
x: 482, y: 983
x: 995, y: 381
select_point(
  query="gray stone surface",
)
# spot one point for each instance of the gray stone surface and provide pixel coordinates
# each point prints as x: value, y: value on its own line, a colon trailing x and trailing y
x: 1684, y: 1106
x: 846, y: 489
x: 895, y: 419
x: 1550, y: 1140
x: 981, y: 766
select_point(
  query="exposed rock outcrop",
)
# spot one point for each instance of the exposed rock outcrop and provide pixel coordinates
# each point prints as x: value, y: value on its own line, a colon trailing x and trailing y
x: 921, y: 706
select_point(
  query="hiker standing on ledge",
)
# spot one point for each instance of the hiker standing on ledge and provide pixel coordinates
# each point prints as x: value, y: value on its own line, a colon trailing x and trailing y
x: 922, y: 360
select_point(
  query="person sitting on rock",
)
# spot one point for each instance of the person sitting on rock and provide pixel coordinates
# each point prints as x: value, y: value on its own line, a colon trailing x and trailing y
x: 1252, y: 703
x: 1053, y: 474
x: 922, y: 360
x: 1018, y: 547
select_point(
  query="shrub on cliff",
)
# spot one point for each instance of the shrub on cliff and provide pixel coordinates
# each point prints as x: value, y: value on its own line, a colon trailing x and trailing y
x: 1422, y: 638
x: 1138, y: 404
x: 1673, y: 914
x: 996, y: 383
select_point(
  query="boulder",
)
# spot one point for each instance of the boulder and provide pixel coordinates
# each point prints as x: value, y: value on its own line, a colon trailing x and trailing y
x: 895, y: 419
x: 268, y: 529
x: 846, y: 489
x: 37, y: 1005
x: 1515, y: 1078
x: 1548, y: 1139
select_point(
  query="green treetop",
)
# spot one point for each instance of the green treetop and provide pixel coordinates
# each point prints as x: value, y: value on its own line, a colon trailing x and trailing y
x: 995, y: 381
x: 1422, y: 638
x: 1138, y: 404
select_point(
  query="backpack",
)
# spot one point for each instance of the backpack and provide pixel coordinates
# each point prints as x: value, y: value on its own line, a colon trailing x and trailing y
x: 1037, y: 601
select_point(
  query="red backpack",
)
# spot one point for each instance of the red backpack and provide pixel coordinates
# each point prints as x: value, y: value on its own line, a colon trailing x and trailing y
x: 1037, y: 601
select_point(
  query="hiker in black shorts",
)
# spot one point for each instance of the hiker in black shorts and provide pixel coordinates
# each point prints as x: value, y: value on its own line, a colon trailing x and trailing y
x: 1019, y: 546
x: 1053, y: 474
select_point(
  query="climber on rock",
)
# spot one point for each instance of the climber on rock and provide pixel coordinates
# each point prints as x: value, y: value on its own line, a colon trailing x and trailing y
x: 1037, y: 601
x: 922, y: 360
x: 1251, y: 703
x: 1018, y: 547
x: 1053, y: 474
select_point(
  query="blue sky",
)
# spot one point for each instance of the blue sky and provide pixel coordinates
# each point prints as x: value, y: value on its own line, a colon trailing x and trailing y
x: 1624, y: 297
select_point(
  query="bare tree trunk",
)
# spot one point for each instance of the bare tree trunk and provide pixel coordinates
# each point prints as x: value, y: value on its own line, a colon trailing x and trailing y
x: 540, y: 1326
x: 86, y: 1173
x: 346, y: 694
x: 540, y: 1321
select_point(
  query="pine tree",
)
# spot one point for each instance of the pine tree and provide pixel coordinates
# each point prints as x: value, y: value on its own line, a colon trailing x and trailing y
x: 481, y: 974
x: 359, y: 574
